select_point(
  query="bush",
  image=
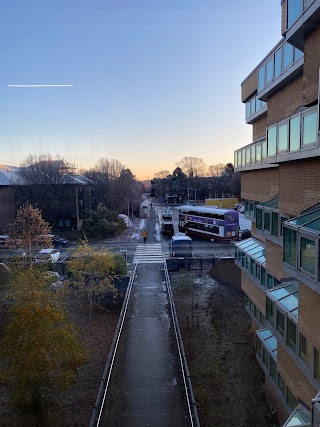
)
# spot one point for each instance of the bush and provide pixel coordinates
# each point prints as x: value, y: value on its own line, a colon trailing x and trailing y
x: 102, y: 223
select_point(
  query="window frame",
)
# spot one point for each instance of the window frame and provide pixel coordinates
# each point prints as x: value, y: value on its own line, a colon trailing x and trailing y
x: 303, y: 115
x: 315, y: 239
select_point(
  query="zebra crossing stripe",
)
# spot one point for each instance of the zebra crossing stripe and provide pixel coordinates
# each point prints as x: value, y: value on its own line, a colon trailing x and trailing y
x: 148, y: 253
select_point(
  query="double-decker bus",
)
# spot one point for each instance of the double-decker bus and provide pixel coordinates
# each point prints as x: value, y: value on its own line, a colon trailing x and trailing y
x: 209, y: 222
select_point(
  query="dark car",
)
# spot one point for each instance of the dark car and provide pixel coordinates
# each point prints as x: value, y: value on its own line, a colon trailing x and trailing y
x: 167, y: 229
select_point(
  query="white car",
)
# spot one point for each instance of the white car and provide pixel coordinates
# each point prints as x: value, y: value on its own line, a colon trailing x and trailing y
x: 46, y: 255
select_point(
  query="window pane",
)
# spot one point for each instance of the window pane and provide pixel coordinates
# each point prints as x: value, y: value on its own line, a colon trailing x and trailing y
x: 265, y: 358
x: 264, y: 149
x: 259, y: 218
x: 297, y: 54
x: 295, y: 8
x: 269, y: 71
x: 275, y: 224
x: 307, y: 254
x: 262, y: 319
x: 258, y: 104
x: 277, y: 63
x: 239, y: 158
x: 316, y: 365
x: 295, y: 133
x: 273, y: 369
x: 258, y: 153
x: 291, y: 335
x: 253, y: 154
x: 290, y: 246
x: 309, y: 129
x: 272, y: 141
x: 258, y: 347
x: 291, y: 400
x: 248, y: 114
x: 253, y: 105
x: 248, y: 156
x: 287, y: 55
x: 305, y: 350
x: 283, y: 137
x: 280, y: 323
x: 270, y: 312
x: 258, y: 272
x: 269, y: 281
x: 266, y: 225
x: 261, y: 77
x: 281, y: 385
x: 243, y: 157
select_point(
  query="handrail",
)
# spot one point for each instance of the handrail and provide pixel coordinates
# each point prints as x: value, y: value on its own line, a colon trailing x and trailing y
x: 192, y: 407
x: 98, y: 407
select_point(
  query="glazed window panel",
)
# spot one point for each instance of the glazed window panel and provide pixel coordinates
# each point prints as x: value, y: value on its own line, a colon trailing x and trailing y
x: 269, y: 281
x: 281, y: 385
x: 269, y: 71
x: 294, y: 134
x: 253, y: 154
x: 291, y: 340
x: 273, y: 369
x: 308, y: 254
x: 305, y: 350
x: 272, y: 141
x: 298, y: 54
x: 258, y: 153
x: 283, y: 137
x: 287, y: 55
x: 258, y: 104
x: 309, y: 135
x: 280, y: 323
x: 253, y: 105
x: 265, y: 357
x: 275, y: 224
x: 258, y: 348
x: 270, y: 312
x: 263, y: 277
x: 261, y: 79
x: 264, y: 149
x: 316, y: 365
x: 277, y: 63
x: 239, y: 157
x: 294, y: 11
x: 267, y: 221
x: 290, y: 246
x: 292, y: 401
x: 243, y: 157
x: 248, y: 113
x: 248, y: 156
x: 259, y: 213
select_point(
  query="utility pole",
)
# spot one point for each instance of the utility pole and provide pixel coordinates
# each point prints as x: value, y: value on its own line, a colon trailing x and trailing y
x: 195, y: 195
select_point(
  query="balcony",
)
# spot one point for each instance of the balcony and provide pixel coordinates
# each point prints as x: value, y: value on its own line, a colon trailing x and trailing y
x: 266, y: 352
x: 302, y: 17
x: 255, y: 109
x: 294, y: 138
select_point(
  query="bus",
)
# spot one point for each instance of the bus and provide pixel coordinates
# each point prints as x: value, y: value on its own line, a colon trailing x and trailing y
x: 209, y: 222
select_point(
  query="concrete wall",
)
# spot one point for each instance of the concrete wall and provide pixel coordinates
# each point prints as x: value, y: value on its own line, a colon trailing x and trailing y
x: 226, y: 272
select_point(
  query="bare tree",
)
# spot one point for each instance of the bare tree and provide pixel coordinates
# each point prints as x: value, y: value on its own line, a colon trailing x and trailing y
x: 217, y: 170
x: 162, y: 174
x: 192, y: 166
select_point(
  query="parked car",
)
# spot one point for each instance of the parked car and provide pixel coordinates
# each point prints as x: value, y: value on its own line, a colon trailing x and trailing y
x: 47, y: 255
x: 167, y: 229
x: 58, y: 242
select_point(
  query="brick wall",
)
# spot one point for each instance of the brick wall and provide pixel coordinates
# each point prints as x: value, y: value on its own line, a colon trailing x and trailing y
x: 311, y: 67
x: 7, y: 207
x: 274, y: 400
x: 259, y: 128
x: 274, y: 260
x: 285, y: 102
x: 309, y: 314
x: 260, y: 185
x: 249, y: 86
x: 294, y: 378
x: 253, y: 291
x: 299, y: 186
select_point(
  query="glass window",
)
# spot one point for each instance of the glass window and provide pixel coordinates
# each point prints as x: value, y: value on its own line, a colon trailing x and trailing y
x: 253, y: 154
x: 280, y: 323
x: 246, y: 207
x: 305, y: 350
x: 272, y: 141
x: 316, y: 365
x: 258, y: 272
x: 267, y: 222
x: 287, y: 55
x: 259, y: 218
x: 291, y: 340
x: 258, y: 104
x: 258, y: 153
x: 289, y: 246
x: 281, y: 385
x: 258, y: 348
x: 265, y: 357
x: 298, y: 54
x: 309, y: 129
x: 269, y: 281
x: 239, y: 158
x: 277, y: 63
x: 294, y: 132
x: 283, y: 137
x: 235, y: 159
x: 294, y: 11
x: 270, y: 312
x: 243, y: 157
x: 256, y: 313
x: 269, y: 71
x: 261, y: 78
x: 263, y: 276
x: 262, y: 319
x: 282, y: 219
x: 248, y: 114
x: 307, y: 254
x: 273, y: 369
x: 264, y: 149
x: 292, y: 402
x: 253, y: 105
x: 248, y: 156
x: 275, y: 224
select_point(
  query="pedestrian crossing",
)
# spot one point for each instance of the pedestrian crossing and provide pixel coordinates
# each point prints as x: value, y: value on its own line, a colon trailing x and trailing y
x: 148, y: 253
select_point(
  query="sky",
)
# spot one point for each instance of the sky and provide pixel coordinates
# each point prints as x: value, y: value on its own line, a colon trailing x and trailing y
x: 152, y: 81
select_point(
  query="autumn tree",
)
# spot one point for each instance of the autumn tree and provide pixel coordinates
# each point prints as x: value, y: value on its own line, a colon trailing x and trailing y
x: 39, y: 351
x: 92, y: 274
x: 28, y: 226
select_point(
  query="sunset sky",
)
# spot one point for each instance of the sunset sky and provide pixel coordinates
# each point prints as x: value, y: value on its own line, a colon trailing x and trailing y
x: 152, y: 81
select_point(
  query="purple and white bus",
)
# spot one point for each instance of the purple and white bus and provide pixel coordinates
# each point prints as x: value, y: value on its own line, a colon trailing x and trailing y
x: 209, y: 222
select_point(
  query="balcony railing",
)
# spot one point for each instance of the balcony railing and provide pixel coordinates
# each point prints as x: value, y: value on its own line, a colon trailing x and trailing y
x: 255, y: 108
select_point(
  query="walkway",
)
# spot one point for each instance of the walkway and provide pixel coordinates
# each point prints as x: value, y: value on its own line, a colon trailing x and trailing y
x: 148, y: 253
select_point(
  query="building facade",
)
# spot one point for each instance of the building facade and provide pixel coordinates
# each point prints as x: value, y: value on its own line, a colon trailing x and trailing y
x: 280, y: 183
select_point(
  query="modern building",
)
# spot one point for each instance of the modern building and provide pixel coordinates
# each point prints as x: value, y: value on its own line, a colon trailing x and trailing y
x: 280, y: 183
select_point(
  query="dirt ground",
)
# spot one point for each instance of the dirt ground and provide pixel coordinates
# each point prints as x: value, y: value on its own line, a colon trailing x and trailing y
x: 227, y: 380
